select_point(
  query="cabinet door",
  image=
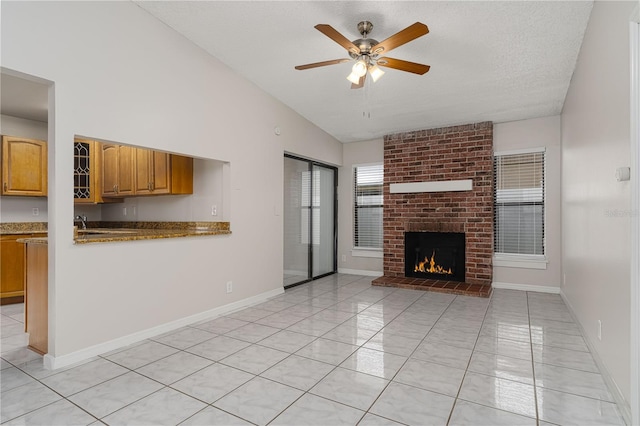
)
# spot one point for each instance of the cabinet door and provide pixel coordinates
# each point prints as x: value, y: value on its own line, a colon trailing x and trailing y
x: 24, y: 167
x: 161, y: 183
x: 109, y: 170
x: 181, y: 174
x: 153, y: 174
x: 143, y: 172
x: 126, y: 169
x: 12, y: 266
x: 84, y: 172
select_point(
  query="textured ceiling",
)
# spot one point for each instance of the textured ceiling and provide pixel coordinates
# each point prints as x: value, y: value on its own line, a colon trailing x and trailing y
x: 496, y: 61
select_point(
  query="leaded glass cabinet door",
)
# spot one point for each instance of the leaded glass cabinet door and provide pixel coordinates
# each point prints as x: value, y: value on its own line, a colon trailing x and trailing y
x: 83, y: 189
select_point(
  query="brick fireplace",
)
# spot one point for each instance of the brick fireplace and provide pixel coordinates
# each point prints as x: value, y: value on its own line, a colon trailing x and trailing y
x: 440, y: 180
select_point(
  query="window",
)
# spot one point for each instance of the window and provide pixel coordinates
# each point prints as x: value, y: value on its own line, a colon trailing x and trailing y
x: 367, y: 229
x: 519, y: 203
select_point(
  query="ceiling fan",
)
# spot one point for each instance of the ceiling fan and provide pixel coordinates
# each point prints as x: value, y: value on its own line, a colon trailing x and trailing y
x: 367, y: 51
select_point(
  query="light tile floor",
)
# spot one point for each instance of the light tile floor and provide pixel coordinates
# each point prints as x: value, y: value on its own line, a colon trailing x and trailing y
x: 331, y: 352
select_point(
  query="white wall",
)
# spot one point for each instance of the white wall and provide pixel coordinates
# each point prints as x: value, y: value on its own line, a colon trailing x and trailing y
x: 595, y: 207
x: 354, y: 153
x: 121, y: 75
x: 536, y: 133
x: 20, y: 209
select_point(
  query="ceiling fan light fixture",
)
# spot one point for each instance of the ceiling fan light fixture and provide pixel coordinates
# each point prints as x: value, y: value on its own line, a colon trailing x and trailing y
x: 375, y: 72
x: 359, y: 68
x: 354, y: 78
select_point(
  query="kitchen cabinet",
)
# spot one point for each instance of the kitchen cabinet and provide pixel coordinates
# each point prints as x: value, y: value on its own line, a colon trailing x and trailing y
x: 117, y: 170
x: 87, y: 187
x: 152, y: 172
x: 24, y: 167
x: 37, y: 296
x: 12, y: 268
x: 127, y: 171
x: 162, y: 173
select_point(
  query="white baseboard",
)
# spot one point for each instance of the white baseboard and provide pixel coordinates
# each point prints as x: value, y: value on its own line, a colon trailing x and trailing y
x: 623, y: 405
x: 360, y: 272
x: 52, y: 363
x: 527, y: 287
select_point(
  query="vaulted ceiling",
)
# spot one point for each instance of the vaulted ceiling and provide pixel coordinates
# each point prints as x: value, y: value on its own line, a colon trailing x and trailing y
x: 490, y: 60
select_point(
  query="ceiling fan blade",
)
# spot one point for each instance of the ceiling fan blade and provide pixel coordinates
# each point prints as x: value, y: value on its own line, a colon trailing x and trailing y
x: 360, y: 84
x: 401, y: 65
x: 334, y: 35
x: 412, y: 32
x: 321, y: 64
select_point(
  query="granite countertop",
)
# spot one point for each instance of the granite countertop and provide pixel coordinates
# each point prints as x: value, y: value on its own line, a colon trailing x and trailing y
x: 17, y: 228
x: 150, y: 232
x: 103, y: 232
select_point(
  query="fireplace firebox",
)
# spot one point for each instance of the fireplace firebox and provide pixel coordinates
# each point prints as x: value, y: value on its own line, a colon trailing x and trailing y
x: 435, y: 255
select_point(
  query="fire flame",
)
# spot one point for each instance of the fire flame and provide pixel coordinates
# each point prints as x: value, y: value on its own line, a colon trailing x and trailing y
x: 432, y: 267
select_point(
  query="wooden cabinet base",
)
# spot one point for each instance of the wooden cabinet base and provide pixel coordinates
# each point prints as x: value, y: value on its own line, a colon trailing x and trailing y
x: 37, y: 295
x: 11, y: 300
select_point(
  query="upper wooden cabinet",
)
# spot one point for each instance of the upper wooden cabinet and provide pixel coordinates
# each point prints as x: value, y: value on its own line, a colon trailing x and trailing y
x: 24, y: 167
x: 87, y: 186
x: 117, y: 170
x: 152, y: 172
x: 161, y: 173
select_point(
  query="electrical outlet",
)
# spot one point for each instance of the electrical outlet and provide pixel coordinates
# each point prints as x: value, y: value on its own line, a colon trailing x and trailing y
x: 124, y: 211
x: 344, y: 257
x: 599, y: 330
x: 35, y: 211
x: 229, y: 286
x: 214, y: 210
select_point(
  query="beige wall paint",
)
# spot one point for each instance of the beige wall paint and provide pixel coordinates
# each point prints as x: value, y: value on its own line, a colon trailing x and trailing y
x: 537, y: 133
x: 145, y: 85
x: 354, y: 153
x: 595, y: 220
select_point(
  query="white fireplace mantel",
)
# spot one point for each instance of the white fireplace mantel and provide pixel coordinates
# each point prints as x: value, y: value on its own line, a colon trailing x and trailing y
x: 437, y: 186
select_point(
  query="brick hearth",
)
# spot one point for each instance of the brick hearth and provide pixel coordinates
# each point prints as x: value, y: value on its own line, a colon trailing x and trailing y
x: 443, y: 154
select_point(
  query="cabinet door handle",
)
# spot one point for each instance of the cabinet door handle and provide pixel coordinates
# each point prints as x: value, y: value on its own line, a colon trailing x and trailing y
x: 149, y: 186
x: 5, y: 187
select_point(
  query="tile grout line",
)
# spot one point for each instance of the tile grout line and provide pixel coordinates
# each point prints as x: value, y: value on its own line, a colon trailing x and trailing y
x: 455, y: 401
x: 533, y: 362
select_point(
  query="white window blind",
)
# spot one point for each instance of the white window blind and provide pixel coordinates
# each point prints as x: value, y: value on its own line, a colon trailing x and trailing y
x: 519, y: 203
x: 310, y: 208
x: 368, y: 206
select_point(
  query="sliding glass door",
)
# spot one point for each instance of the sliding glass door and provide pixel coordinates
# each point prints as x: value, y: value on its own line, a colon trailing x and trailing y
x: 309, y: 220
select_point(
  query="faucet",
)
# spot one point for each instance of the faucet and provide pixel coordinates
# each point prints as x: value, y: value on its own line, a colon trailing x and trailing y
x: 83, y: 220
